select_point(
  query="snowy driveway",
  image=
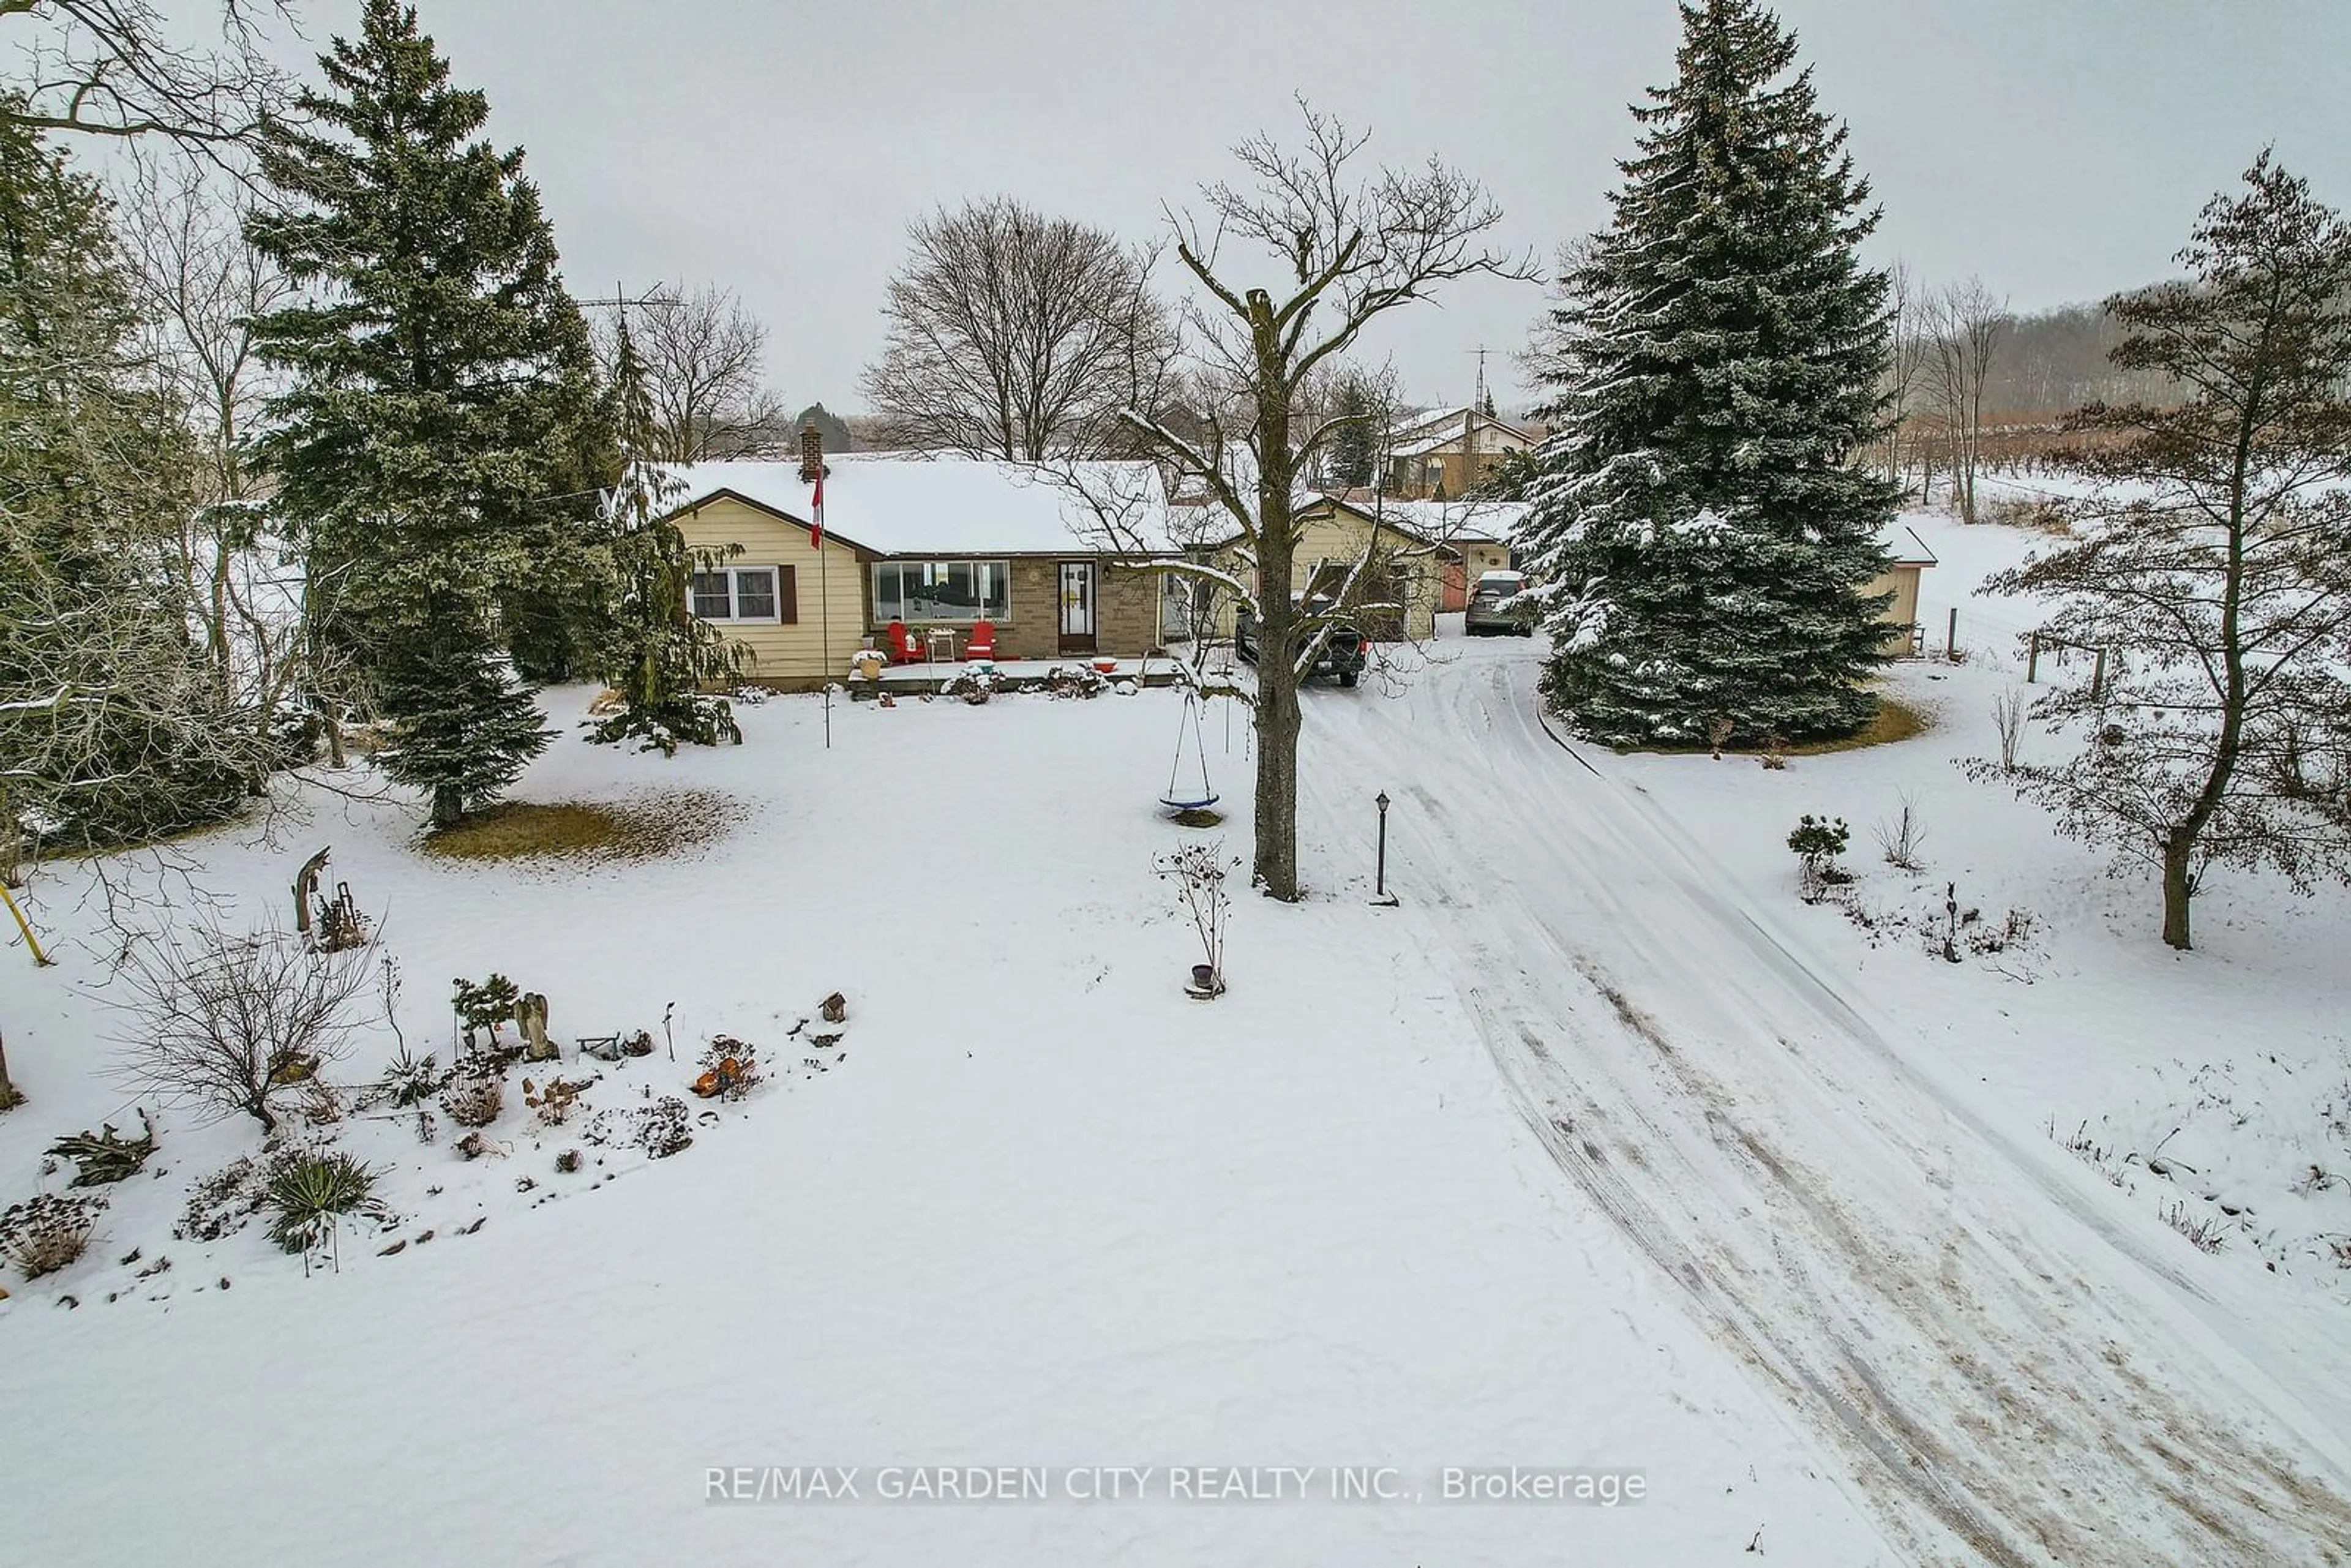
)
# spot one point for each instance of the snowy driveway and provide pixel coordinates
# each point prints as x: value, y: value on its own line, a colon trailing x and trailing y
x: 2010, y: 1375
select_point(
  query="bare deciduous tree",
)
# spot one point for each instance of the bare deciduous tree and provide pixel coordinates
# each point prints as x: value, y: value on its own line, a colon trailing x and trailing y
x: 1906, y: 364
x: 231, y: 1021
x: 199, y: 285
x: 1963, y: 326
x: 2217, y: 563
x: 1902, y: 835
x: 1345, y: 248
x: 705, y: 358
x: 2008, y: 722
x: 110, y: 67
x: 1014, y: 335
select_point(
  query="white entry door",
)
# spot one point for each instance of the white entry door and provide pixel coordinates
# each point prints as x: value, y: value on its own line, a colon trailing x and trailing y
x: 1077, y: 607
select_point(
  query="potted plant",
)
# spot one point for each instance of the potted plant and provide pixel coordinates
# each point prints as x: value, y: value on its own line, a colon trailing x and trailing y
x: 1199, y: 870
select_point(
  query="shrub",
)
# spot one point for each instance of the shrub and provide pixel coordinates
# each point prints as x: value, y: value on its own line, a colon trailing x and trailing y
x: 660, y: 1129
x: 484, y: 1005
x: 47, y: 1232
x: 473, y: 1100
x: 1198, y: 872
x: 1901, y: 836
x: 412, y: 1082
x: 974, y: 687
x: 553, y: 1103
x: 222, y: 1202
x: 232, y: 1021
x: 1075, y: 681
x: 1817, y: 841
x: 106, y: 1156
x: 309, y: 1193
x: 730, y: 1069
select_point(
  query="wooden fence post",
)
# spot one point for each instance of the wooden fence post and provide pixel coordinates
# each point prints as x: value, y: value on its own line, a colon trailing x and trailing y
x: 2031, y: 657
x: 2098, y: 677
x: 1951, y: 638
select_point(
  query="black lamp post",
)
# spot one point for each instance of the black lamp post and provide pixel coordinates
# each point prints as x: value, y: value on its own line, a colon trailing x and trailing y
x: 1380, y: 876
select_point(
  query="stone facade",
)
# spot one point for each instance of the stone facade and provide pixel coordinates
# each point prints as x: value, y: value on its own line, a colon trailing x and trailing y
x: 1126, y: 610
x: 1034, y: 631
x: 1127, y: 602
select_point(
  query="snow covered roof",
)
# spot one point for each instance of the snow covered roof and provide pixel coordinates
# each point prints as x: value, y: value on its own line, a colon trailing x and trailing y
x: 898, y: 502
x: 1466, y: 522
x: 1904, y: 547
x: 1425, y: 433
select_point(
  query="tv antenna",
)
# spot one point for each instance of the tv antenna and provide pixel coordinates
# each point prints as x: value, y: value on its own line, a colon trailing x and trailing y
x: 657, y: 297
x: 1483, y: 397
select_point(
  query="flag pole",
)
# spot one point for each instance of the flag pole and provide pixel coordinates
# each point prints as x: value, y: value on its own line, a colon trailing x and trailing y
x: 824, y: 616
x: 812, y: 476
x: 824, y: 608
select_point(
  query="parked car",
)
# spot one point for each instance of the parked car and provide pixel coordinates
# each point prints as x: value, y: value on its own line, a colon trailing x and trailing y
x: 1344, y: 651
x: 1496, y: 607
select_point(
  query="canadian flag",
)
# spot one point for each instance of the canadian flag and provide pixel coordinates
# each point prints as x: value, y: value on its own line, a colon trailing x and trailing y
x: 816, y: 510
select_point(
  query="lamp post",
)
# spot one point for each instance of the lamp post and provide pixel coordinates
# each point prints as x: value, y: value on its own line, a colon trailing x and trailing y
x: 1380, y: 875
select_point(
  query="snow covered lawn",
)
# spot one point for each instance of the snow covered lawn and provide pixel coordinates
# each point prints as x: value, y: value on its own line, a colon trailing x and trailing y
x: 1603, y: 1150
x: 1046, y: 1211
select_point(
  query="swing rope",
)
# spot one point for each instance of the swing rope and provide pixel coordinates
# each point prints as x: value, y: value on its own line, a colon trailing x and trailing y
x: 1208, y: 795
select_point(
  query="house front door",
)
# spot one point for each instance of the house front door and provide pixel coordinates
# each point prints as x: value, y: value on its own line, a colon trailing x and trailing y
x: 1077, y: 607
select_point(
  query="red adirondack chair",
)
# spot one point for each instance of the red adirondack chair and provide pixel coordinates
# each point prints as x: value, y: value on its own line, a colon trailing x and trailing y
x: 903, y: 649
x: 983, y: 641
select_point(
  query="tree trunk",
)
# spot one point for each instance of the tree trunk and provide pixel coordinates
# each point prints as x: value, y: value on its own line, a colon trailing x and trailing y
x: 448, y: 805
x: 10, y: 1098
x: 1277, y: 716
x: 1275, y: 860
x: 2178, y: 889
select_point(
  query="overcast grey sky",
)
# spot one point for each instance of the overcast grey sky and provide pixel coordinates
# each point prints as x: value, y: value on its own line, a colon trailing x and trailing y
x: 2060, y: 148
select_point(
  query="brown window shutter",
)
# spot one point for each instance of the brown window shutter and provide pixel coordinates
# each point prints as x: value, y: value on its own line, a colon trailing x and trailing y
x: 788, y: 594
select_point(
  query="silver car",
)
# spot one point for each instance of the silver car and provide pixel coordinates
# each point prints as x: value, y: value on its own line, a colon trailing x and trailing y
x: 1495, y: 608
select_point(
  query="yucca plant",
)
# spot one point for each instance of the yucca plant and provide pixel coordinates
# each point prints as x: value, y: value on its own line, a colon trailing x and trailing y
x: 309, y: 1193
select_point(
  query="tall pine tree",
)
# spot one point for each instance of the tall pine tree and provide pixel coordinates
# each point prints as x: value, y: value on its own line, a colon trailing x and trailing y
x: 658, y: 654
x: 1354, y: 442
x: 437, y: 449
x: 1715, y: 368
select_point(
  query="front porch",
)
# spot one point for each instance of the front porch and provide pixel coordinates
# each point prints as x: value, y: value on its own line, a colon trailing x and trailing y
x: 929, y: 679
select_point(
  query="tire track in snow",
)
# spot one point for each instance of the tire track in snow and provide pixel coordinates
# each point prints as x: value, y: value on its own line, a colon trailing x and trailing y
x: 1747, y: 1129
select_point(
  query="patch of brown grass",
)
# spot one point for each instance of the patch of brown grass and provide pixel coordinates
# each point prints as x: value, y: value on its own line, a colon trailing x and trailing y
x: 1895, y: 721
x: 648, y: 828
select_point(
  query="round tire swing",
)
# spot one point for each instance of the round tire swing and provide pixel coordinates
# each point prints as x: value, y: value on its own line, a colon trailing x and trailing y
x: 1182, y: 794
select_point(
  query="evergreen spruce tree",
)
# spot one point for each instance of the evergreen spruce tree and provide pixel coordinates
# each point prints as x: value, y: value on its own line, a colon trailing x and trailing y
x: 657, y: 654
x: 828, y: 425
x: 1352, y: 442
x: 1716, y: 366
x: 435, y: 450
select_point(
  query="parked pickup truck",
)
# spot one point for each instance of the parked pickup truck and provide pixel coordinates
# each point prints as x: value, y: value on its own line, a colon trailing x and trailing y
x: 1344, y: 655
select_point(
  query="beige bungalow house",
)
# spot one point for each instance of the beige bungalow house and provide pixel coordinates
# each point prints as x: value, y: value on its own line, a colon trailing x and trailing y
x: 937, y: 543
x: 1907, y: 556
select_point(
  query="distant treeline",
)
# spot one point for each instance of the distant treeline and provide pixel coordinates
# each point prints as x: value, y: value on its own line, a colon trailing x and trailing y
x: 2054, y: 360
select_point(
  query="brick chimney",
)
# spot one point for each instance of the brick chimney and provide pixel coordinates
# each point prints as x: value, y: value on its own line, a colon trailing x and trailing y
x: 811, y: 454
